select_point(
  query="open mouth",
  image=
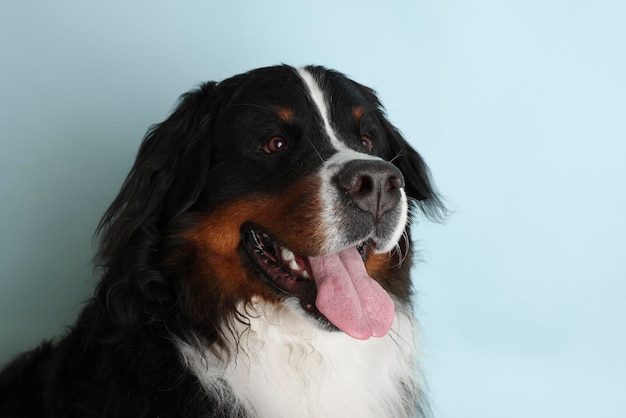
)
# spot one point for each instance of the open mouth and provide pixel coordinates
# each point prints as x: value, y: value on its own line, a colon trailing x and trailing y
x: 282, y: 268
x: 333, y: 288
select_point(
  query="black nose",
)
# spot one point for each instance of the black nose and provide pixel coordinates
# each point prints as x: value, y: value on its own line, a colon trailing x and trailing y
x: 373, y: 186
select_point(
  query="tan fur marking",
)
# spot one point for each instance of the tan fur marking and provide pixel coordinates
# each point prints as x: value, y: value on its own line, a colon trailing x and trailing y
x: 291, y: 217
x: 285, y: 114
x: 390, y: 270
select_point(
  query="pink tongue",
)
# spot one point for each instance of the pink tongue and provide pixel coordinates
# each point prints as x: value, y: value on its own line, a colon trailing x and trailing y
x: 349, y: 298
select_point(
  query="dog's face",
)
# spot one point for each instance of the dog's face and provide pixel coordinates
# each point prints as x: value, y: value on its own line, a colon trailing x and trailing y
x: 279, y: 184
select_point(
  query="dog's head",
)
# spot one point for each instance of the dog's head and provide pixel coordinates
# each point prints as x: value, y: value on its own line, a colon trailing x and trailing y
x: 276, y: 184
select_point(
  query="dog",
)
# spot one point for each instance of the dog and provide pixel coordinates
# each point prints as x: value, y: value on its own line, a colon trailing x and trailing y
x: 255, y: 263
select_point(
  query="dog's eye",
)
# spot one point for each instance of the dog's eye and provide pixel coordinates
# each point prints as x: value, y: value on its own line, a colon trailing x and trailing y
x: 275, y: 144
x: 366, y: 141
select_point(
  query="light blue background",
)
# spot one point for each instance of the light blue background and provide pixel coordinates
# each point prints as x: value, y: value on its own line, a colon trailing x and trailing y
x: 519, y: 107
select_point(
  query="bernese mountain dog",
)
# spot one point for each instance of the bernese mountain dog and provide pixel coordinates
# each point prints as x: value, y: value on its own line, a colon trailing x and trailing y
x: 254, y: 264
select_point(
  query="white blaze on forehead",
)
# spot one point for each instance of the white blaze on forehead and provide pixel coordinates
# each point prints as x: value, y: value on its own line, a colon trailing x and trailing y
x: 317, y: 95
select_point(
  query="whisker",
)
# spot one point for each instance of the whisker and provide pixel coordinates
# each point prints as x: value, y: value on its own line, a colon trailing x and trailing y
x: 402, y: 256
x: 315, y: 149
x: 398, y: 155
x: 264, y: 107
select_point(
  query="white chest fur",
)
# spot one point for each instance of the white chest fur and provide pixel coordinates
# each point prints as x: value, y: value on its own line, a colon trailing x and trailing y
x: 285, y: 366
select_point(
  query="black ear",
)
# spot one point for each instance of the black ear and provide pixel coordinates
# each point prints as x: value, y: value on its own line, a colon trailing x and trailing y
x: 166, y: 178
x: 419, y: 186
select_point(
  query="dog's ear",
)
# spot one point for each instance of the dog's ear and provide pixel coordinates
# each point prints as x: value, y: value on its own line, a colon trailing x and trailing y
x: 419, y: 186
x: 167, y: 176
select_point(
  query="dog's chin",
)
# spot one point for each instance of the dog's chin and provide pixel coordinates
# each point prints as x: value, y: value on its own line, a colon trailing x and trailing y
x: 287, y: 272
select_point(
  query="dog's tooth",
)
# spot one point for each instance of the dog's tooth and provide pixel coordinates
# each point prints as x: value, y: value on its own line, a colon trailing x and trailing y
x: 305, y: 274
x: 294, y: 265
x: 287, y: 255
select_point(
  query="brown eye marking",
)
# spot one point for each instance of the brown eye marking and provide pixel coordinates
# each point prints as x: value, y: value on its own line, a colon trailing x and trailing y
x: 357, y: 112
x: 275, y: 144
x: 285, y: 114
x: 367, y: 142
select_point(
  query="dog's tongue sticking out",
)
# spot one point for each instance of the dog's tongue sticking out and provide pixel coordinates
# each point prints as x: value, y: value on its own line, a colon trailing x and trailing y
x: 349, y: 298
